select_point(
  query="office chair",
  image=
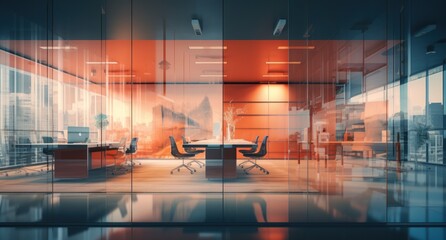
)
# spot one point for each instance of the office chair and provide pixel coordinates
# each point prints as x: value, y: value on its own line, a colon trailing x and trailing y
x: 176, y: 153
x: 21, y: 156
x: 193, y: 151
x: 132, y: 149
x: 48, y: 151
x: 121, y: 151
x: 260, y: 154
x: 253, y: 149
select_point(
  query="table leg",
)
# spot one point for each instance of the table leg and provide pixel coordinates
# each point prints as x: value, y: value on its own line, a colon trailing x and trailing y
x: 221, y: 162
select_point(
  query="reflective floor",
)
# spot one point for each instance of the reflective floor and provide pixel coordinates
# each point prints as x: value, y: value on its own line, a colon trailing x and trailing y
x: 382, y: 202
x: 217, y: 233
x: 85, y: 208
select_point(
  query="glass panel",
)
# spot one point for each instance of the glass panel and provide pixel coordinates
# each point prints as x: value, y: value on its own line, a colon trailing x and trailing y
x: 255, y: 106
x: 114, y: 71
x: 416, y: 192
x: 26, y: 100
x: 418, y: 136
x: 351, y: 98
x: 176, y: 100
x: 435, y: 116
x: 341, y: 85
x: 78, y: 162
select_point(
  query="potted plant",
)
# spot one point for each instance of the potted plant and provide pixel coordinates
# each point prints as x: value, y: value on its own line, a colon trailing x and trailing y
x: 101, y: 122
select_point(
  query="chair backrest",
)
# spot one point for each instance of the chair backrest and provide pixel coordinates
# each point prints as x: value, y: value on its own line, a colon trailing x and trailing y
x: 173, y: 147
x: 133, y: 146
x: 256, y: 140
x: 187, y: 149
x: 47, y: 139
x: 122, y: 142
x: 263, y: 149
x: 24, y: 140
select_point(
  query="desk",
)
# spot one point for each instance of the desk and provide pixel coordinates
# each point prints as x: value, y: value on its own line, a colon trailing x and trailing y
x: 221, y: 156
x: 74, y: 160
x: 366, y: 147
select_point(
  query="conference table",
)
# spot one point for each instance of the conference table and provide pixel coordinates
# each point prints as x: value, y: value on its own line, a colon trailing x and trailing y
x: 365, y: 148
x: 221, y: 156
x: 74, y: 160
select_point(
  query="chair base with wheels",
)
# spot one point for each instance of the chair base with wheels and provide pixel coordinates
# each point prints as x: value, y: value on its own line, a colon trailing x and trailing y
x: 255, y: 165
x: 255, y: 156
x: 177, y: 154
x: 126, y: 165
x: 253, y: 149
x: 187, y: 166
x: 245, y: 162
x: 193, y: 151
x: 119, y: 168
x: 200, y: 164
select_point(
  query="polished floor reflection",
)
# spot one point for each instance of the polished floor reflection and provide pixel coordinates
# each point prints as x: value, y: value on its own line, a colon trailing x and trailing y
x: 365, y: 191
x: 154, y: 175
x: 221, y: 233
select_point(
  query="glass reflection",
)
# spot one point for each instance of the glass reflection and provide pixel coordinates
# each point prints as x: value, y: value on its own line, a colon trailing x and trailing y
x: 354, y: 113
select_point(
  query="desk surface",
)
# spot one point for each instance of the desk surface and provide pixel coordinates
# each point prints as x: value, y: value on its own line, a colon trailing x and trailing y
x: 218, y: 143
x: 354, y: 142
x: 44, y: 145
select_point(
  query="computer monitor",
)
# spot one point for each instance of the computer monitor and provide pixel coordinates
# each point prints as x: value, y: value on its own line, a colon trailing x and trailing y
x: 78, y: 134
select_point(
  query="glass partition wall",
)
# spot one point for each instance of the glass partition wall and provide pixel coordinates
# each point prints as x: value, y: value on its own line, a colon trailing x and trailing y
x: 102, y: 104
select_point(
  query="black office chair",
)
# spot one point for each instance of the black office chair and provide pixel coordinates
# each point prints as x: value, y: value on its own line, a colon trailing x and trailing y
x: 176, y: 153
x: 25, y: 153
x: 22, y: 157
x: 255, y: 156
x: 48, y: 151
x: 193, y: 151
x: 132, y: 149
x: 253, y: 149
x: 118, y: 154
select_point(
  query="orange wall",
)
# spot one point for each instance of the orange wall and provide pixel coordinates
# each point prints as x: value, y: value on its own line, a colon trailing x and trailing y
x: 265, y: 112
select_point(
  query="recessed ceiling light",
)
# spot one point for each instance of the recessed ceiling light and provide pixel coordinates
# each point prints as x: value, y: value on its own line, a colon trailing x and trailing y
x: 278, y: 63
x: 209, y: 57
x: 425, y: 30
x: 207, y: 47
x: 58, y: 47
x: 279, y: 27
x: 107, y: 62
x: 196, y: 26
x: 430, y: 49
x: 296, y: 47
x: 211, y: 62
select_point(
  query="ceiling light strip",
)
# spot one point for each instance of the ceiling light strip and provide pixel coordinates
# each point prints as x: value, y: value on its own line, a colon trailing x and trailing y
x: 213, y: 75
x: 296, y: 47
x: 120, y: 75
x: 58, y: 47
x: 275, y: 75
x: 108, y: 62
x: 207, y: 47
x: 199, y: 62
x: 278, y: 63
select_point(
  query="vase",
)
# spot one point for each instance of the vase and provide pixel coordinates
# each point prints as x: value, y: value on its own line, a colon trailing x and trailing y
x: 228, y: 132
